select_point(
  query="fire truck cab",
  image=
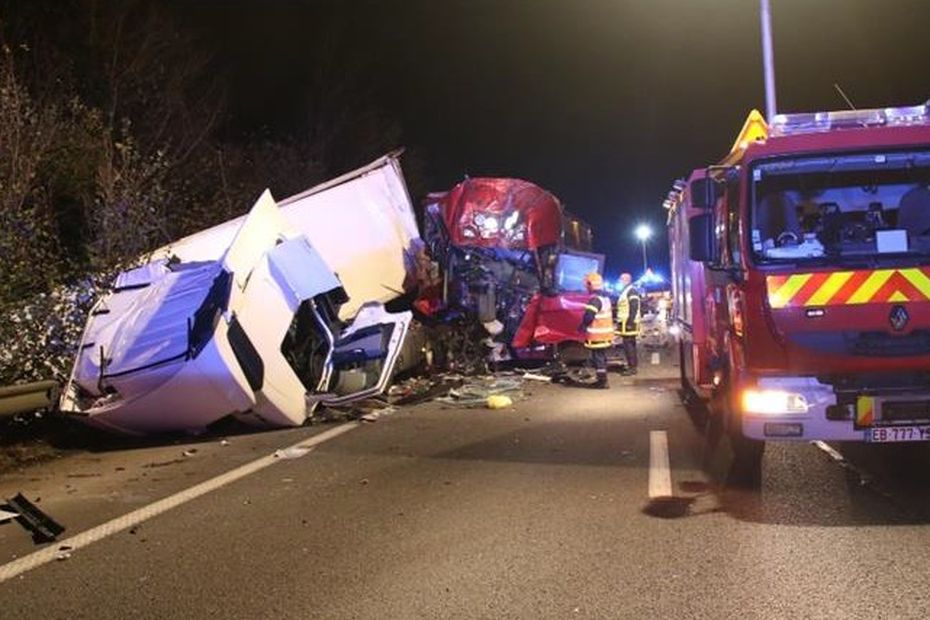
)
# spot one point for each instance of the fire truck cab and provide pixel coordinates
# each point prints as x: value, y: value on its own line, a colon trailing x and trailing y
x: 801, y: 280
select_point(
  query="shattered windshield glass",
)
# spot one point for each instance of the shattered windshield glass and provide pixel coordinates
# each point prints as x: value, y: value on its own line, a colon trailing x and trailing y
x: 865, y: 207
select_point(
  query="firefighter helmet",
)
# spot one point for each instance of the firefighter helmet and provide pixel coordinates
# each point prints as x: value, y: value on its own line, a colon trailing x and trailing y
x: 593, y: 281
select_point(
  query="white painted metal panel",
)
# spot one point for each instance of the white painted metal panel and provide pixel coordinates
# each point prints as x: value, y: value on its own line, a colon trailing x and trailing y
x: 362, y: 224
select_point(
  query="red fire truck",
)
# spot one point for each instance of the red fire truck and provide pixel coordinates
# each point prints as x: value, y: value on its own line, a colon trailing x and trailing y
x: 801, y: 280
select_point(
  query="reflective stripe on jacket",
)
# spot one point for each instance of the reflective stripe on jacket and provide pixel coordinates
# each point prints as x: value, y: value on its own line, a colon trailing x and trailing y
x: 599, y: 334
x: 628, y: 311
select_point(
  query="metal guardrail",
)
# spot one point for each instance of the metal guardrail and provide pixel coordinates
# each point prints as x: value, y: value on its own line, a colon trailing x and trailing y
x: 27, y: 397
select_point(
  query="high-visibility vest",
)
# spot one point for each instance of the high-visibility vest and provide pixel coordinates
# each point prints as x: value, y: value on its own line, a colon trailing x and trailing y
x: 628, y: 325
x: 600, y: 333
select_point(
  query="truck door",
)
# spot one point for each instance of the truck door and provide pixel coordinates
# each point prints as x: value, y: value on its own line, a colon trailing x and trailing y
x: 720, y: 288
x: 364, y: 356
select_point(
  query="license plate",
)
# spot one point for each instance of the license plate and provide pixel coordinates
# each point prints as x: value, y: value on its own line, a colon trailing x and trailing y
x: 890, y: 434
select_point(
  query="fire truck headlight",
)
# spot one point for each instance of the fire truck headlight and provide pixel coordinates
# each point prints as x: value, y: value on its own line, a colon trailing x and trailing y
x: 773, y: 402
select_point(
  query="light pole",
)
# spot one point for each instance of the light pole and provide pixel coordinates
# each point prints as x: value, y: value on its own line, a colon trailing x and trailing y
x: 643, y: 232
x: 768, y: 59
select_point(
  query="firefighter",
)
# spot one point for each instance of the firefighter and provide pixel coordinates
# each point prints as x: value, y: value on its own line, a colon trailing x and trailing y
x: 628, y: 310
x: 597, y: 325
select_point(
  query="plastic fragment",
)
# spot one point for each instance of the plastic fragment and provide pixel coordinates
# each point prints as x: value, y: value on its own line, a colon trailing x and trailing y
x: 532, y: 376
x: 499, y: 401
x: 294, y: 452
x: 6, y: 515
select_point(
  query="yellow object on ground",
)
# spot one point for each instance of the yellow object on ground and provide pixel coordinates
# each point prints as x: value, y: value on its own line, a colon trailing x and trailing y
x: 499, y: 401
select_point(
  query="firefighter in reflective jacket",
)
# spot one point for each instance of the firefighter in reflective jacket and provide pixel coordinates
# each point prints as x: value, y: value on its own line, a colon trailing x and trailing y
x: 597, y: 325
x: 628, y: 311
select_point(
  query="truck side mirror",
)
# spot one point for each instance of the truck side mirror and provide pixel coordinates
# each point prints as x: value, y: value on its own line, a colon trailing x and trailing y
x: 704, y: 193
x: 701, y: 238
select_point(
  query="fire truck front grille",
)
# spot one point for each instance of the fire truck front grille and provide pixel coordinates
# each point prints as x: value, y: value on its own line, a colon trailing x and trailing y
x: 868, y: 344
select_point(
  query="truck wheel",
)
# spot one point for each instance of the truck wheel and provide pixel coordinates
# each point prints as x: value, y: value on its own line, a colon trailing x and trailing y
x: 696, y: 408
x: 685, y: 388
x: 746, y: 470
x: 723, y: 427
x: 747, y: 461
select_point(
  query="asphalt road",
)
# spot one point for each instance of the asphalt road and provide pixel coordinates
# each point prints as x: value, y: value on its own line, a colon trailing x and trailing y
x: 539, y: 511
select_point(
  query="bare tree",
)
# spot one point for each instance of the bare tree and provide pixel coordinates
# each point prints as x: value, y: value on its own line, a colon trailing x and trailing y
x: 160, y: 105
x: 27, y: 228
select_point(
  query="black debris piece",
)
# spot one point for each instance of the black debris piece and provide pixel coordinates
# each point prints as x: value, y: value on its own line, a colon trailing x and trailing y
x: 42, y: 527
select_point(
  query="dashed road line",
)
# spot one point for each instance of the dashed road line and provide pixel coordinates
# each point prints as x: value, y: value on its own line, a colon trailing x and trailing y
x: 53, y: 552
x: 660, y: 474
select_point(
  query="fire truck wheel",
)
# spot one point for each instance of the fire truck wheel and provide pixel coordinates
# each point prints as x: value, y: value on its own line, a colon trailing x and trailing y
x: 747, y: 461
x: 745, y: 470
x: 685, y: 387
x: 696, y: 408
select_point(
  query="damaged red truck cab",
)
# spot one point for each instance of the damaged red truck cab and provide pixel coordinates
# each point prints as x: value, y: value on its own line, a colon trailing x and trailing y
x: 801, y: 280
x: 510, y: 257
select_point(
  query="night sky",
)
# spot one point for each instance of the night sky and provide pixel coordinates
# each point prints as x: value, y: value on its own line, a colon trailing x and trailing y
x: 602, y: 102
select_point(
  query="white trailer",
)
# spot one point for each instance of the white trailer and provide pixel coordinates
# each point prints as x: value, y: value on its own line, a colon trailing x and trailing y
x: 362, y: 224
x: 248, y: 318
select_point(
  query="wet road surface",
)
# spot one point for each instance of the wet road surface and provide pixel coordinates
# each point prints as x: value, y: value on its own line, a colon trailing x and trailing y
x: 538, y: 511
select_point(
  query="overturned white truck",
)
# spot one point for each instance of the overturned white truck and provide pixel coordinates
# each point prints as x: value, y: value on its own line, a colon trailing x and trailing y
x: 249, y: 319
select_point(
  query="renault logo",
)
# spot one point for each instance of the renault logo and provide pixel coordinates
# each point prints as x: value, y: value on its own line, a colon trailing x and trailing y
x: 898, y: 318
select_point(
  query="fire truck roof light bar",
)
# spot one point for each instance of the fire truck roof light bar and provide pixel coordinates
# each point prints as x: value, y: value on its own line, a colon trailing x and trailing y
x: 820, y: 122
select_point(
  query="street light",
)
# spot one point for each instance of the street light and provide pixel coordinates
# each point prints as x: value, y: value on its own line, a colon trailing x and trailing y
x: 768, y: 59
x: 643, y: 232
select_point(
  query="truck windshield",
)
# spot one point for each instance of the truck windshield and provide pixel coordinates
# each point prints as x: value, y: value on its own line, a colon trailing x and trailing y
x: 872, y: 207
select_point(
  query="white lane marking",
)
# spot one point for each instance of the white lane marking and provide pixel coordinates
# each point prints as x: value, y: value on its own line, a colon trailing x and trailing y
x: 52, y: 552
x: 836, y: 456
x: 660, y: 474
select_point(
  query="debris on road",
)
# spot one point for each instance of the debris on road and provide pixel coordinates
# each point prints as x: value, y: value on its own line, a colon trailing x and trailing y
x: 532, y: 376
x: 294, y: 452
x: 162, y: 463
x: 375, y: 415
x: 6, y: 515
x: 499, y: 401
x: 477, y: 391
x: 42, y: 527
x: 421, y: 389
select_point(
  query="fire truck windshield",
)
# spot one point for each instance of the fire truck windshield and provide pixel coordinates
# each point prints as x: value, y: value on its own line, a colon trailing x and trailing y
x: 872, y: 207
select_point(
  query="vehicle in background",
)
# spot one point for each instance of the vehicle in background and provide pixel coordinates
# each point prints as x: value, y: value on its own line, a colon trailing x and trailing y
x: 511, y: 259
x: 801, y: 280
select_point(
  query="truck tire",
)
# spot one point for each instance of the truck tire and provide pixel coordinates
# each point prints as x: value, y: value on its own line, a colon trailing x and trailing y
x: 682, y: 376
x: 747, y: 460
x: 696, y: 408
x: 723, y: 425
